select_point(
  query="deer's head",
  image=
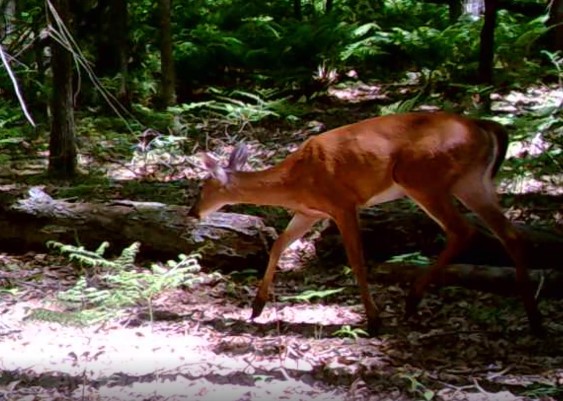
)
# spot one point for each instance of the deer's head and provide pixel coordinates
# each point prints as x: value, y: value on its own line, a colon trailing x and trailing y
x: 217, y: 189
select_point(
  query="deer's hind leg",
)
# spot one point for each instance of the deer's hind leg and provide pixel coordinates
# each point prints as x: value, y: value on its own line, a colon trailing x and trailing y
x: 428, y: 181
x: 480, y: 197
x: 440, y: 207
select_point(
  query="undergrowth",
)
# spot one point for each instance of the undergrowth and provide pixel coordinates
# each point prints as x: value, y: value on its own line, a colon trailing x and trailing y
x: 107, y: 287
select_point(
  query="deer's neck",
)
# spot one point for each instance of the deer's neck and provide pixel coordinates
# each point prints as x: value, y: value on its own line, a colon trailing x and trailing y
x: 265, y: 187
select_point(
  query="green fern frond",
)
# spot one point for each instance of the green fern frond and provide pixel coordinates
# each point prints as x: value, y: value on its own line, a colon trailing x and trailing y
x: 120, y: 284
x: 82, y: 256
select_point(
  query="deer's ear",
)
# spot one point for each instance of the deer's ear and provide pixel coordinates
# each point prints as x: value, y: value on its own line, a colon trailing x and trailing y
x: 209, y: 162
x: 214, y: 168
x: 238, y: 158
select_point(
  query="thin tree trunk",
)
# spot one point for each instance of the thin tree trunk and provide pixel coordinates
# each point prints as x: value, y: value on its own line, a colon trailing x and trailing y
x: 112, y: 39
x: 455, y: 10
x: 119, y: 9
x: 167, y: 95
x: 556, y: 20
x: 62, y: 144
x: 37, y: 97
x: 297, y: 11
x: 328, y: 6
x: 486, y: 55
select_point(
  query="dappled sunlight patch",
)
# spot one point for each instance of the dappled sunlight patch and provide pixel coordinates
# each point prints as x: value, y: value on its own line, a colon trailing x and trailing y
x: 359, y: 91
x: 130, y: 363
x: 533, y: 97
x: 313, y: 314
x: 529, y: 185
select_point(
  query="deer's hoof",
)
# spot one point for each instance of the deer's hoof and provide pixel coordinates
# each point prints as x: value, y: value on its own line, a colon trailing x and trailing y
x: 411, y: 305
x: 257, y: 308
x: 373, y: 326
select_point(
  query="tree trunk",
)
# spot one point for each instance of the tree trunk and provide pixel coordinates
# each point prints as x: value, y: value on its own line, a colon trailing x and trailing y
x: 113, y: 45
x: 119, y: 9
x: 297, y: 10
x: 328, y: 6
x: 62, y: 144
x: 38, y: 96
x: 455, y: 10
x: 496, y: 280
x: 167, y: 95
x: 556, y: 20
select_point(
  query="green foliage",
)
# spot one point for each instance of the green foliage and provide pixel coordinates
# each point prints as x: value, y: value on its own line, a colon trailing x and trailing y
x: 85, y: 258
x: 543, y: 391
x: 367, y: 44
x: 544, y: 127
x: 349, y: 332
x: 308, y: 295
x: 517, y: 53
x: 240, y: 108
x: 255, y: 48
x: 80, y: 318
x: 412, y: 14
x: 117, y: 283
x: 159, y: 154
x: 402, y: 106
x: 414, y: 258
x: 241, y: 112
x: 206, y: 50
x: 556, y: 61
x: 416, y: 387
x: 252, y: 107
x: 451, y: 51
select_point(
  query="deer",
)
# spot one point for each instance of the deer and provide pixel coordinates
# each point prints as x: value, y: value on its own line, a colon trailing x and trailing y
x: 433, y: 158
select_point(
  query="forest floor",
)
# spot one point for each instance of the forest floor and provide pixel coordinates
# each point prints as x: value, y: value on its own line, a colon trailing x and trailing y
x: 201, y: 345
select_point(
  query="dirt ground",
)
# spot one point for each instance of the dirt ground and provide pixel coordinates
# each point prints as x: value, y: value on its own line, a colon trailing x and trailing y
x: 463, y: 345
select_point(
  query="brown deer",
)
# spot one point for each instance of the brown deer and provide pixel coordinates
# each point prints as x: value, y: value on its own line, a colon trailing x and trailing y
x: 430, y: 157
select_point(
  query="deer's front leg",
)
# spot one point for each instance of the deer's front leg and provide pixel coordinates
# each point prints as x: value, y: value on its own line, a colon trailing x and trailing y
x: 297, y: 227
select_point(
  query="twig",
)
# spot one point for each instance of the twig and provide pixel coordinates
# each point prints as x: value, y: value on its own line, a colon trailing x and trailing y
x: 16, y: 87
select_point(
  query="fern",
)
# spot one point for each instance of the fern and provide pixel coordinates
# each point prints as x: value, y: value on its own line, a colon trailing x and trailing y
x: 368, y: 41
x: 95, y: 258
x: 120, y: 284
x: 402, y: 106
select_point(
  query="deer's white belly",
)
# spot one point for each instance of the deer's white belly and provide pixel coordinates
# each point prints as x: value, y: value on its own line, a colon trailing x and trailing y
x: 391, y: 193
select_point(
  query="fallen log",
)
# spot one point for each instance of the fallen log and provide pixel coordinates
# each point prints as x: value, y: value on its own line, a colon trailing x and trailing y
x: 230, y: 241
x: 391, y: 232
x: 496, y: 280
x: 226, y: 241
